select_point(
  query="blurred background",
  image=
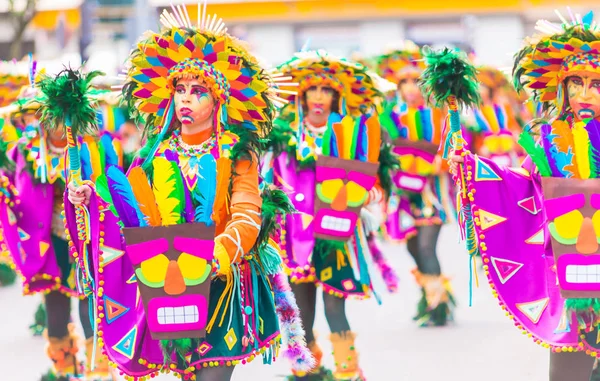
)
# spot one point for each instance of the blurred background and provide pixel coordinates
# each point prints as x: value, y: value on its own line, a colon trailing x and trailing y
x: 101, y: 32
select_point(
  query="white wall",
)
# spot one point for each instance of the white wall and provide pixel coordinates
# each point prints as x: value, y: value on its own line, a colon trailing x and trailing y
x: 496, y: 38
x: 376, y: 36
x: 272, y: 44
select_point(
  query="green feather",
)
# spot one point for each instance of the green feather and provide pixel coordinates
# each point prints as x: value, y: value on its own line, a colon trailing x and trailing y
x: 179, y: 346
x: 67, y: 97
x: 7, y: 274
x: 536, y: 152
x: 449, y: 73
x: 325, y: 247
x: 275, y: 203
x: 5, y: 162
x: 388, y: 163
x: 104, y: 192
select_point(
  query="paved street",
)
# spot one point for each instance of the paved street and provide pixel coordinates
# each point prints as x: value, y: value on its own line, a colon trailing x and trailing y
x: 481, y: 345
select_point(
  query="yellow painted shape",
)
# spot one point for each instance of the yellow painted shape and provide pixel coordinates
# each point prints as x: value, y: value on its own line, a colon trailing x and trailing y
x: 568, y: 225
x: 355, y: 193
x: 191, y: 267
x: 155, y: 269
x: 330, y: 188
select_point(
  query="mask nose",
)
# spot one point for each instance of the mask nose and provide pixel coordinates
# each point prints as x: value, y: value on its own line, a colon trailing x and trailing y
x: 174, y: 283
x: 341, y: 200
x: 587, y: 243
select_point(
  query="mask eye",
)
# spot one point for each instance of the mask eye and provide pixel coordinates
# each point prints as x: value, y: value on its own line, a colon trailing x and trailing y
x: 357, y: 195
x: 194, y: 270
x: 153, y: 271
x: 492, y: 143
x: 596, y: 223
x: 565, y: 229
x: 328, y: 189
x: 406, y: 162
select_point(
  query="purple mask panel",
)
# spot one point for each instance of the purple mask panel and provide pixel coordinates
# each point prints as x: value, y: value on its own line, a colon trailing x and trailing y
x: 338, y: 203
x: 176, y: 306
x: 507, y: 203
x: 573, y: 234
x: 417, y: 163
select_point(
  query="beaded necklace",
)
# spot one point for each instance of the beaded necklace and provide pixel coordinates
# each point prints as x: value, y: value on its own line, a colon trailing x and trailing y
x: 182, y: 148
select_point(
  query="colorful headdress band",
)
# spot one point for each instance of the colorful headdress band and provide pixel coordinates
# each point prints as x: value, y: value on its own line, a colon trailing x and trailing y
x: 245, y: 92
x: 559, y: 51
x: 400, y: 64
x: 359, y: 89
x: 491, y: 77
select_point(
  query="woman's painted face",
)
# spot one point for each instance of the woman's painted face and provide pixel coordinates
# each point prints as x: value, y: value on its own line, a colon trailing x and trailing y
x: 194, y: 103
x: 584, y: 96
x: 410, y: 92
x: 319, y: 99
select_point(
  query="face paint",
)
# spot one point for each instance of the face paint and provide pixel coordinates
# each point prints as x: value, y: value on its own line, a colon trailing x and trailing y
x: 194, y: 103
x: 173, y: 266
x: 573, y: 212
x: 584, y: 96
x: 410, y: 93
x: 319, y: 100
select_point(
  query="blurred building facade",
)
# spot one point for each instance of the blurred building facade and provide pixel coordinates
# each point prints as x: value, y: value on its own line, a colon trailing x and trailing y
x: 492, y: 29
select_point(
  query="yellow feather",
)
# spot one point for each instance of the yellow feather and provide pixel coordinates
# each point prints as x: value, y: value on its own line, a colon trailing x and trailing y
x: 163, y: 186
x: 348, y: 124
x: 94, y: 157
x: 581, y: 141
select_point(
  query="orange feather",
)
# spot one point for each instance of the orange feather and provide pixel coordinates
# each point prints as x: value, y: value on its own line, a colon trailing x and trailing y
x: 374, y: 139
x: 144, y: 195
x: 564, y: 141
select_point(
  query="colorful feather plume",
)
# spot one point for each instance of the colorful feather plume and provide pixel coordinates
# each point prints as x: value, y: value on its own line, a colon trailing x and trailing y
x: 144, y: 195
x: 563, y: 140
x: 167, y: 186
x: 123, y: 198
x: 593, y: 130
x: 387, y: 272
x: 110, y: 154
x: 65, y: 101
x: 206, y: 187
x: 291, y: 325
x: 449, y: 73
x: 104, y: 193
x: 536, y: 152
x: 86, y: 162
x: 582, y: 149
x: 223, y: 176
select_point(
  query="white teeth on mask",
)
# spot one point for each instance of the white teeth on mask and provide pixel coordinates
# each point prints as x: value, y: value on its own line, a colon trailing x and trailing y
x: 411, y: 182
x: 583, y: 273
x: 177, y: 315
x: 336, y: 224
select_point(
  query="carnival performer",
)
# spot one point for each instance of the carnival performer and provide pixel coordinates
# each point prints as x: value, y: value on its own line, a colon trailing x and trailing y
x: 422, y: 200
x: 493, y: 126
x: 325, y: 154
x: 197, y: 287
x: 33, y: 232
x: 11, y: 82
x: 545, y: 276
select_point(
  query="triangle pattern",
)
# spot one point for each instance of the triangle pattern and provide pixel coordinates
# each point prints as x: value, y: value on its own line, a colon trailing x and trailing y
x: 44, y: 246
x: 505, y: 269
x: 537, y: 238
x: 533, y: 310
x: 114, y: 310
x: 489, y: 220
x: 12, y: 219
x: 131, y: 280
x: 126, y: 346
x: 307, y: 219
x: 23, y: 236
x: 484, y: 172
x: 564, y: 324
x: 529, y: 205
x: 110, y: 254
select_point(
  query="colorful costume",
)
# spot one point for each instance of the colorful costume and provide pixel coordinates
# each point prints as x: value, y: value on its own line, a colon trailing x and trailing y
x: 196, y: 285
x: 494, y: 125
x: 329, y: 173
x: 33, y: 232
x: 422, y: 199
x: 545, y: 276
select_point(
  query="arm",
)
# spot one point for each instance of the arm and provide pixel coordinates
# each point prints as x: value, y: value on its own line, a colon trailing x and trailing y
x: 242, y: 229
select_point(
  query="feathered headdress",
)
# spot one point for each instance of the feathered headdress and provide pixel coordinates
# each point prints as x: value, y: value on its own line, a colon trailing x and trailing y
x: 556, y: 53
x: 406, y: 61
x: 12, y: 79
x: 245, y: 93
x: 359, y: 89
